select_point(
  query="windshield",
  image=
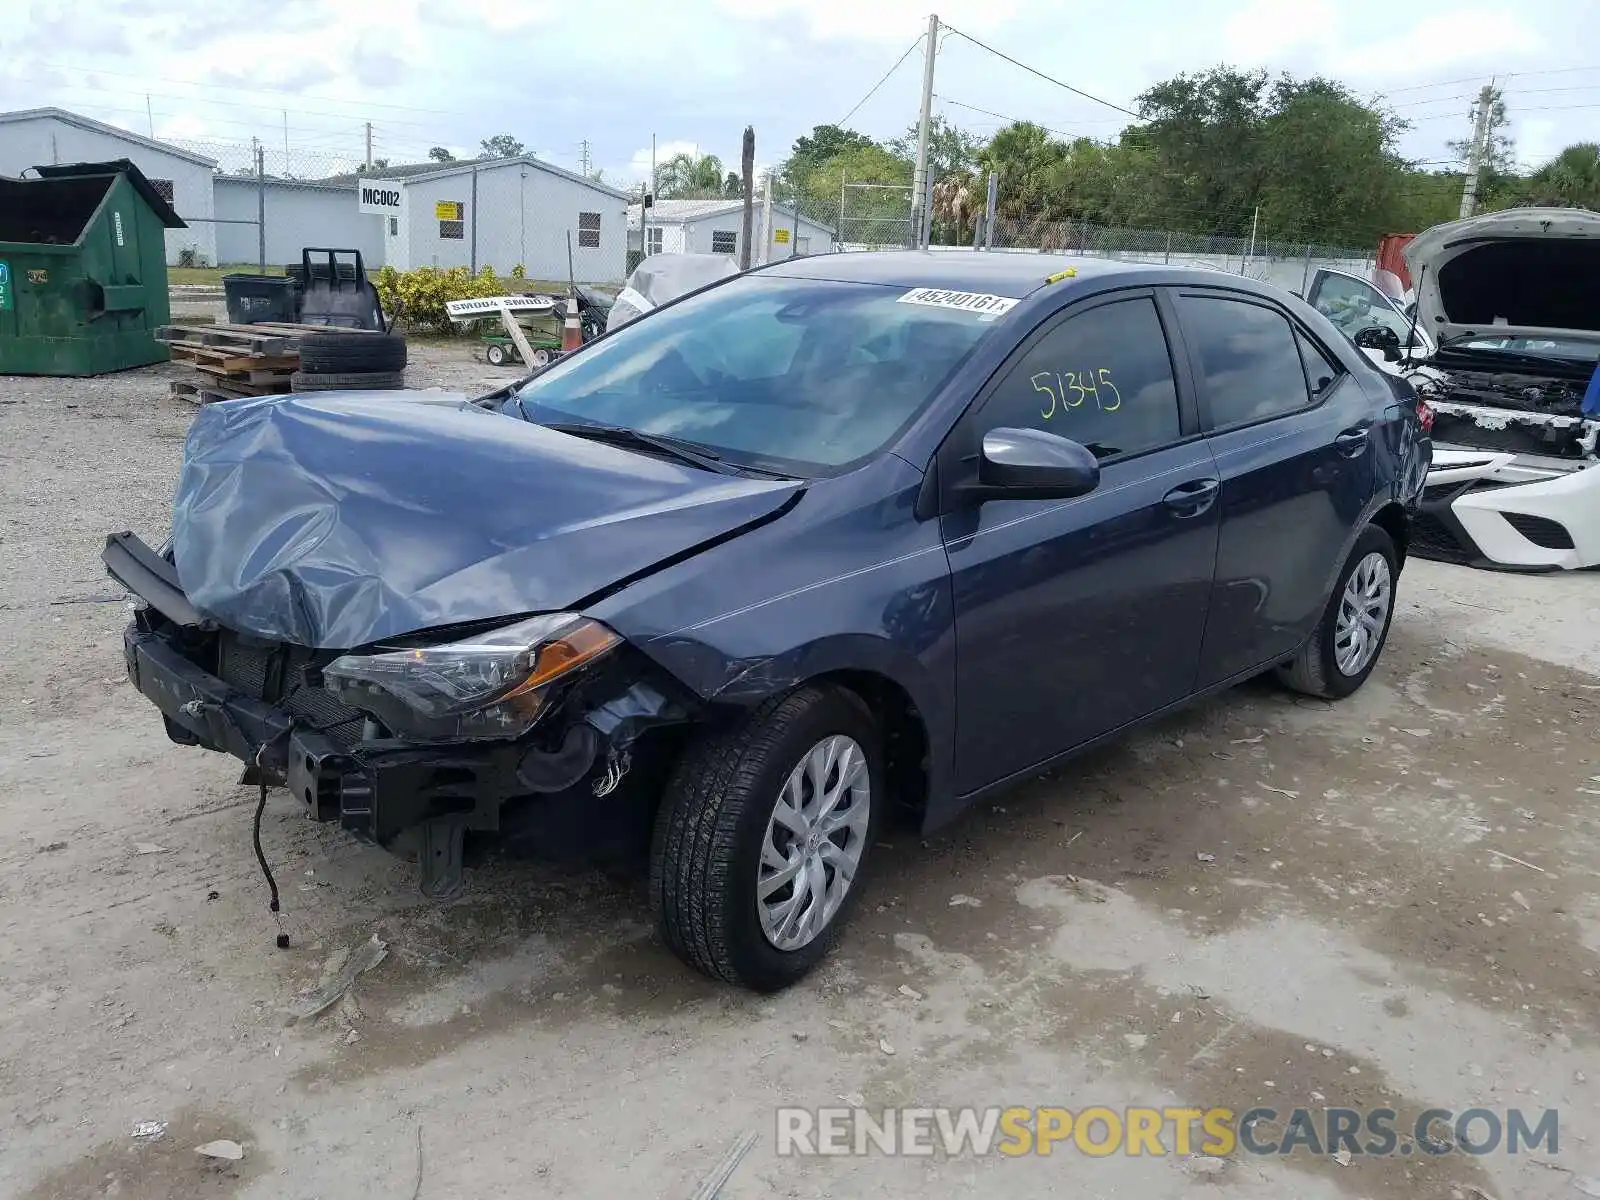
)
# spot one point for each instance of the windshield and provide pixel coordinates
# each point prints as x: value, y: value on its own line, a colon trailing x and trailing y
x: 796, y: 375
x: 1353, y: 306
x: 1579, y: 349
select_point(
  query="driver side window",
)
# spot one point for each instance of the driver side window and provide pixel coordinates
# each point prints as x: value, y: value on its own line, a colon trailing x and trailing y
x: 1102, y: 378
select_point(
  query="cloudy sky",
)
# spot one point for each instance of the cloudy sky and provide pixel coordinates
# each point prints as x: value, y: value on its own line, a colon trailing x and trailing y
x: 612, y: 73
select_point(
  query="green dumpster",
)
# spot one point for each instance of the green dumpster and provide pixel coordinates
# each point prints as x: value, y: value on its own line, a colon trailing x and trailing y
x: 83, y: 270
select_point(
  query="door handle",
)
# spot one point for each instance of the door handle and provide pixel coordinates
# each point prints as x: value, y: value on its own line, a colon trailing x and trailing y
x: 1351, y: 442
x: 1192, y: 498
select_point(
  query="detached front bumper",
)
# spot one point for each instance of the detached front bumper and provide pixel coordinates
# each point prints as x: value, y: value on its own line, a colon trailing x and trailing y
x: 376, y: 789
x: 1510, y: 511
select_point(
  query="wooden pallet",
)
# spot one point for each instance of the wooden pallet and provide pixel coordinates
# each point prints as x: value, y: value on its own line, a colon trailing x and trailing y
x: 220, y: 358
x: 241, y: 339
x: 194, y: 393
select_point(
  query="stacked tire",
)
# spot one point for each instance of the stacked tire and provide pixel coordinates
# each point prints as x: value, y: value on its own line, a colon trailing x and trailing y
x: 350, y: 362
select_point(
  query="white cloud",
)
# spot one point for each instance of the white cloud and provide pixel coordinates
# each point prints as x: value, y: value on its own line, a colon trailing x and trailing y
x: 872, y: 20
x: 639, y: 164
x: 1460, y: 38
x: 1267, y: 29
x: 505, y: 16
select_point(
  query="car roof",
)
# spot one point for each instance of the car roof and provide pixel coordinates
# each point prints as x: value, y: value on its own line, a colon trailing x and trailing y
x: 1000, y: 274
x: 994, y: 272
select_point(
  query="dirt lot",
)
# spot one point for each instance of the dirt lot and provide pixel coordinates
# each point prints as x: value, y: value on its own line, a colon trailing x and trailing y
x: 1396, y: 906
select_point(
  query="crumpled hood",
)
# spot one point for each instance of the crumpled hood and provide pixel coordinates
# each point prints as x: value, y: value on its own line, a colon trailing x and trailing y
x: 1517, y: 273
x: 333, y: 519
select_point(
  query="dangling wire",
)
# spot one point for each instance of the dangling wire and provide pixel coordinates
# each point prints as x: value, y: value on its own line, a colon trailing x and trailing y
x: 272, y: 884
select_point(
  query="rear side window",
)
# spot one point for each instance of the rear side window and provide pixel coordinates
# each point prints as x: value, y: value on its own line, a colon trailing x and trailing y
x: 1249, y: 364
x: 1102, y: 378
x: 1321, y: 371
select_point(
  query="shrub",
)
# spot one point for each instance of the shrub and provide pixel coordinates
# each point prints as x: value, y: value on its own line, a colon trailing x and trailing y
x: 418, y: 297
x: 519, y: 272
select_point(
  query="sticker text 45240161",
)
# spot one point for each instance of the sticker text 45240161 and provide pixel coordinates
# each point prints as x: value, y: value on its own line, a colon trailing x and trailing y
x: 1072, y: 389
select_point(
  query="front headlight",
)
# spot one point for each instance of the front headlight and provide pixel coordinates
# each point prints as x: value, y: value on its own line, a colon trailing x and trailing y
x: 489, y: 686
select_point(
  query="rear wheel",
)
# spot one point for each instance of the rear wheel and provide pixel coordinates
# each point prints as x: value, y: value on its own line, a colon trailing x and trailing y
x: 540, y: 359
x: 496, y: 355
x: 763, y: 837
x: 1350, y: 637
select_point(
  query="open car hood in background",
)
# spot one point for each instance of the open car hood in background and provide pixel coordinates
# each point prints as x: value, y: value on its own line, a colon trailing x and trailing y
x: 1518, y: 273
x: 334, y: 520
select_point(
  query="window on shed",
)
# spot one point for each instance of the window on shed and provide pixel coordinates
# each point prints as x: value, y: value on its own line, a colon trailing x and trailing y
x: 454, y: 231
x: 653, y: 239
x: 724, y: 241
x: 588, y: 229
x: 163, y: 188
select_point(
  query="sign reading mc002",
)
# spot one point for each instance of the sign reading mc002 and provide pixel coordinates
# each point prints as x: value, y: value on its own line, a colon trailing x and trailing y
x: 380, y: 196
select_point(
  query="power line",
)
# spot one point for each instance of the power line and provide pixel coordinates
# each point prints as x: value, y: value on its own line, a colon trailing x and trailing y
x: 874, y: 91
x: 1002, y: 117
x: 1041, y: 74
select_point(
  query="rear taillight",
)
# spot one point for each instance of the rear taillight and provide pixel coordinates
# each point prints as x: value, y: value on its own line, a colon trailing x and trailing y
x: 1425, y: 416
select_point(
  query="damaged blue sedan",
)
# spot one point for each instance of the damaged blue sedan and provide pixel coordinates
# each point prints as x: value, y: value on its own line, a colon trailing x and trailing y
x: 842, y: 539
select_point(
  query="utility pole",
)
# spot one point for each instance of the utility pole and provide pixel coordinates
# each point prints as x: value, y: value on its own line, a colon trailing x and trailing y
x: 1255, y: 219
x: 1479, y: 151
x: 919, y: 176
x: 766, y: 218
x: 261, y: 203
x: 369, y: 145
x: 286, y: 143
x: 149, y: 116
x: 583, y: 156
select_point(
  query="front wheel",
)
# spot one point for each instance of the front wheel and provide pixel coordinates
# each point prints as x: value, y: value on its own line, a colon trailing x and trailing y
x: 496, y: 355
x: 1350, y: 637
x: 763, y: 837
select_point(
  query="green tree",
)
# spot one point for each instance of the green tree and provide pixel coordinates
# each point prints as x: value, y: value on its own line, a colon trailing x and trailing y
x: 821, y: 144
x: 502, y: 145
x: 951, y: 150
x: 440, y: 155
x: 1570, y: 180
x: 1029, y: 161
x: 689, y: 176
x: 871, y: 215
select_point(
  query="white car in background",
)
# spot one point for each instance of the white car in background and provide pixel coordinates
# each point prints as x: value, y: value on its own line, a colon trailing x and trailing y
x: 1505, y: 345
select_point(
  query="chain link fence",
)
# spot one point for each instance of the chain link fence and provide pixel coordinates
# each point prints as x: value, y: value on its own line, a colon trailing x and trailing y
x: 1287, y: 264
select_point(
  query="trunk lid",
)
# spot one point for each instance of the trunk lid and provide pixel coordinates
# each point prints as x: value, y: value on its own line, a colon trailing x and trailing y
x: 333, y: 520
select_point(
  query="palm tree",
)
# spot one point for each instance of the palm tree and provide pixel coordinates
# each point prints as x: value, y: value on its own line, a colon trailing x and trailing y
x: 1570, y: 180
x: 689, y: 176
x: 955, y: 203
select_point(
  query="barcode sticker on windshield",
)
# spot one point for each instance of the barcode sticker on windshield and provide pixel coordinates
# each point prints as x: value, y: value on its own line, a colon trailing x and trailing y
x: 978, y: 303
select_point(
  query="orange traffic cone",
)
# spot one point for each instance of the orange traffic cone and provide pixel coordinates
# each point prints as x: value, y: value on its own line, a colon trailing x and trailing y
x: 571, y: 331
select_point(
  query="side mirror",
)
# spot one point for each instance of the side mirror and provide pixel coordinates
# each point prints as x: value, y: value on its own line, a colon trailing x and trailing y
x: 1380, y: 337
x: 1029, y: 464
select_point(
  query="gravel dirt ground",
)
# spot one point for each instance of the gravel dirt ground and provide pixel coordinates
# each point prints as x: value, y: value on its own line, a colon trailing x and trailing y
x: 1264, y: 900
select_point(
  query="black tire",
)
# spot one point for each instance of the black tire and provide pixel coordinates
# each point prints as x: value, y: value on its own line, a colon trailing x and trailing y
x: 1315, y: 670
x: 541, y: 358
x: 496, y: 355
x: 359, y: 381
x: 713, y: 819
x: 348, y: 353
